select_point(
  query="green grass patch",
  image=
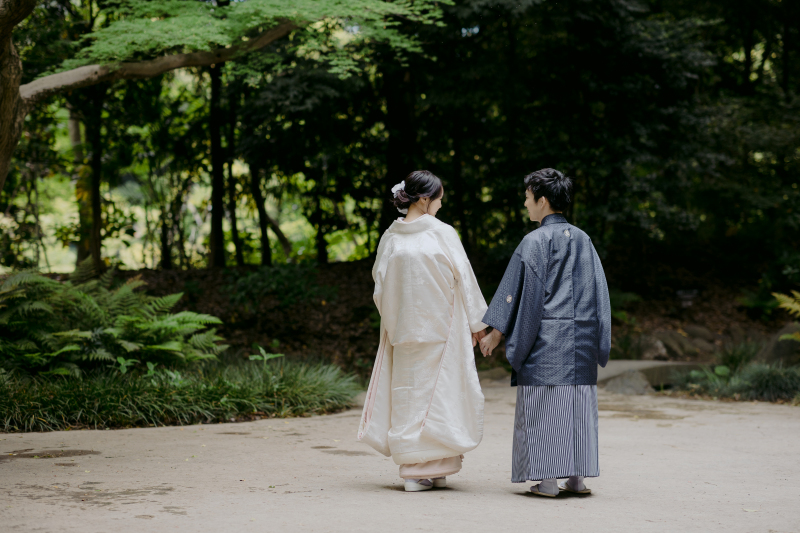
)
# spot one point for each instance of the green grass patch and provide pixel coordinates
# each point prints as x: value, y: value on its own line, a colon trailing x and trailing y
x: 106, y: 399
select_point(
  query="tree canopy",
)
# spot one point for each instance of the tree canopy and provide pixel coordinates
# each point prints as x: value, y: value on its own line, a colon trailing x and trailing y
x: 264, y: 131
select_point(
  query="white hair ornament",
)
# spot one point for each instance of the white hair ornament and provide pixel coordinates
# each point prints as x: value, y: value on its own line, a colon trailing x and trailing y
x: 400, y: 187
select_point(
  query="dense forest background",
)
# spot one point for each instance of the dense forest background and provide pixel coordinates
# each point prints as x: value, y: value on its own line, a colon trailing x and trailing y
x: 679, y: 122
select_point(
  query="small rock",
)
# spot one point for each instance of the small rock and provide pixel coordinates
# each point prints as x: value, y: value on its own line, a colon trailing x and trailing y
x: 631, y: 382
x: 652, y: 349
x: 676, y: 344
x: 700, y: 332
x: 778, y: 351
x: 704, y: 346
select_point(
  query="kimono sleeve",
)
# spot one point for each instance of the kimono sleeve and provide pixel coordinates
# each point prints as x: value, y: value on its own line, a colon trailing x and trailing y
x: 603, y: 311
x: 516, y: 310
x: 467, y: 282
x: 379, y: 269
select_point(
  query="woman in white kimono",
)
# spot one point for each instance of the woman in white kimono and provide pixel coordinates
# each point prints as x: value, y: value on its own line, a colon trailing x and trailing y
x: 424, y: 406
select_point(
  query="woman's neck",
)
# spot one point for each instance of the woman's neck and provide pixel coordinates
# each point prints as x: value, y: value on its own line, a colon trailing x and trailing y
x: 414, y: 213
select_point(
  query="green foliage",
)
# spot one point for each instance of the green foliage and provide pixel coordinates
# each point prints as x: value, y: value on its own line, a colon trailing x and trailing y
x: 68, y: 327
x: 621, y: 300
x: 737, y: 356
x: 103, y: 399
x: 291, y: 284
x: 330, y: 29
x: 792, y: 305
x: 626, y: 346
x: 762, y: 382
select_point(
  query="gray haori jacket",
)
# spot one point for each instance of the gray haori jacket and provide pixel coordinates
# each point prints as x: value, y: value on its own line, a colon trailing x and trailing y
x: 553, y: 308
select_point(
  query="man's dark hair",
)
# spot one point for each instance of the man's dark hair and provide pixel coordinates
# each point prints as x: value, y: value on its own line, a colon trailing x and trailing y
x: 551, y: 184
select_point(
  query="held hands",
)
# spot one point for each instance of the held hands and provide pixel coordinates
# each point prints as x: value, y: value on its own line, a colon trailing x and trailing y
x: 489, y: 342
x: 476, y: 337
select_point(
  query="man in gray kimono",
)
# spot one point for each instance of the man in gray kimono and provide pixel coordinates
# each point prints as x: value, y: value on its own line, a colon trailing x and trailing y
x: 554, y: 310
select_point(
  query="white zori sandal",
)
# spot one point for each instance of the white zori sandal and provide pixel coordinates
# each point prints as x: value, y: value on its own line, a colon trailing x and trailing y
x: 416, y: 485
x: 579, y: 487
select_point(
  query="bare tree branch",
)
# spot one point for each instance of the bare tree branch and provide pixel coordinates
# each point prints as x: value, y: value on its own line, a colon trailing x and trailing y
x: 93, y: 74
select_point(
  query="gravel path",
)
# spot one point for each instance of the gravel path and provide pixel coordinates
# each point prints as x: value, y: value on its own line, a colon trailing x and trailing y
x: 666, y: 465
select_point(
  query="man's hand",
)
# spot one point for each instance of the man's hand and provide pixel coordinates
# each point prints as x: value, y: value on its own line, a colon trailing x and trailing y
x: 489, y: 342
x: 476, y: 337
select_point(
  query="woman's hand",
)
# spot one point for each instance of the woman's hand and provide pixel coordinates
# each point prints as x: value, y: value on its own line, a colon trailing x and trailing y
x: 476, y: 337
x: 490, y: 342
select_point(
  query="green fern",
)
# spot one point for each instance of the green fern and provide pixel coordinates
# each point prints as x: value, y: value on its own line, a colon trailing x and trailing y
x: 55, y: 327
x: 792, y: 305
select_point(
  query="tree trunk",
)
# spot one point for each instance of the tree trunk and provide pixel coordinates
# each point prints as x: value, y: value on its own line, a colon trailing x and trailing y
x: 12, y: 107
x: 94, y: 138
x: 83, y: 184
x: 458, y: 185
x: 217, y: 241
x: 258, y: 198
x: 166, y: 245
x: 787, y: 28
x: 322, y: 244
x: 237, y: 241
x: 513, y: 157
x: 399, y: 94
x: 747, y: 39
x: 75, y: 137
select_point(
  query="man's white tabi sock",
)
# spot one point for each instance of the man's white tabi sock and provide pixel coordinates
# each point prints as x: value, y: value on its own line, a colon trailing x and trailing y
x: 576, y: 482
x: 548, y: 486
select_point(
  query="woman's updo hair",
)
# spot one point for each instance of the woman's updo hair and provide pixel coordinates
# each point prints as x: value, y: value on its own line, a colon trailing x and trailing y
x: 418, y: 184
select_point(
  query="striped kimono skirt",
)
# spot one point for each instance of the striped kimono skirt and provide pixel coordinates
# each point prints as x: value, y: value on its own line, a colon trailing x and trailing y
x: 555, y: 433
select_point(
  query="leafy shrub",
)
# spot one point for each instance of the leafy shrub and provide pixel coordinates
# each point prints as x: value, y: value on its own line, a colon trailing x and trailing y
x: 106, y: 399
x: 792, y: 305
x: 291, y: 284
x: 619, y: 302
x: 67, y: 327
x: 736, y: 356
x: 627, y: 346
x: 751, y: 382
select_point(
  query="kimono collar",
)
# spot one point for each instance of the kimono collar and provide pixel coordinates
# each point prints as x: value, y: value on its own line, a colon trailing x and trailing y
x: 423, y: 223
x: 555, y: 218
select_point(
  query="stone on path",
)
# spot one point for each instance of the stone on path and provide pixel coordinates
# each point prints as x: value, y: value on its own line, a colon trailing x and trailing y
x: 676, y: 344
x: 696, y: 331
x: 652, y: 349
x: 631, y: 382
x: 703, y: 345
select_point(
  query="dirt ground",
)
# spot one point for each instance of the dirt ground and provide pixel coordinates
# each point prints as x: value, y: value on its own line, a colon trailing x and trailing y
x: 666, y: 465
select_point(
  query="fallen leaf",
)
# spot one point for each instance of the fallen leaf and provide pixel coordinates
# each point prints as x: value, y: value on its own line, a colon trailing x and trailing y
x: 87, y: 471
x: 749, y: 510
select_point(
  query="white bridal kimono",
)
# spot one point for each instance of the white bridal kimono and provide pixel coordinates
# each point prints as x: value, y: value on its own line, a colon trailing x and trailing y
x: 424, y: 402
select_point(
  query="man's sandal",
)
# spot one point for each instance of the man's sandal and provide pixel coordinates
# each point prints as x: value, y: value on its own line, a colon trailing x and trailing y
x: 535, y: 490
x: 565, y: 486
